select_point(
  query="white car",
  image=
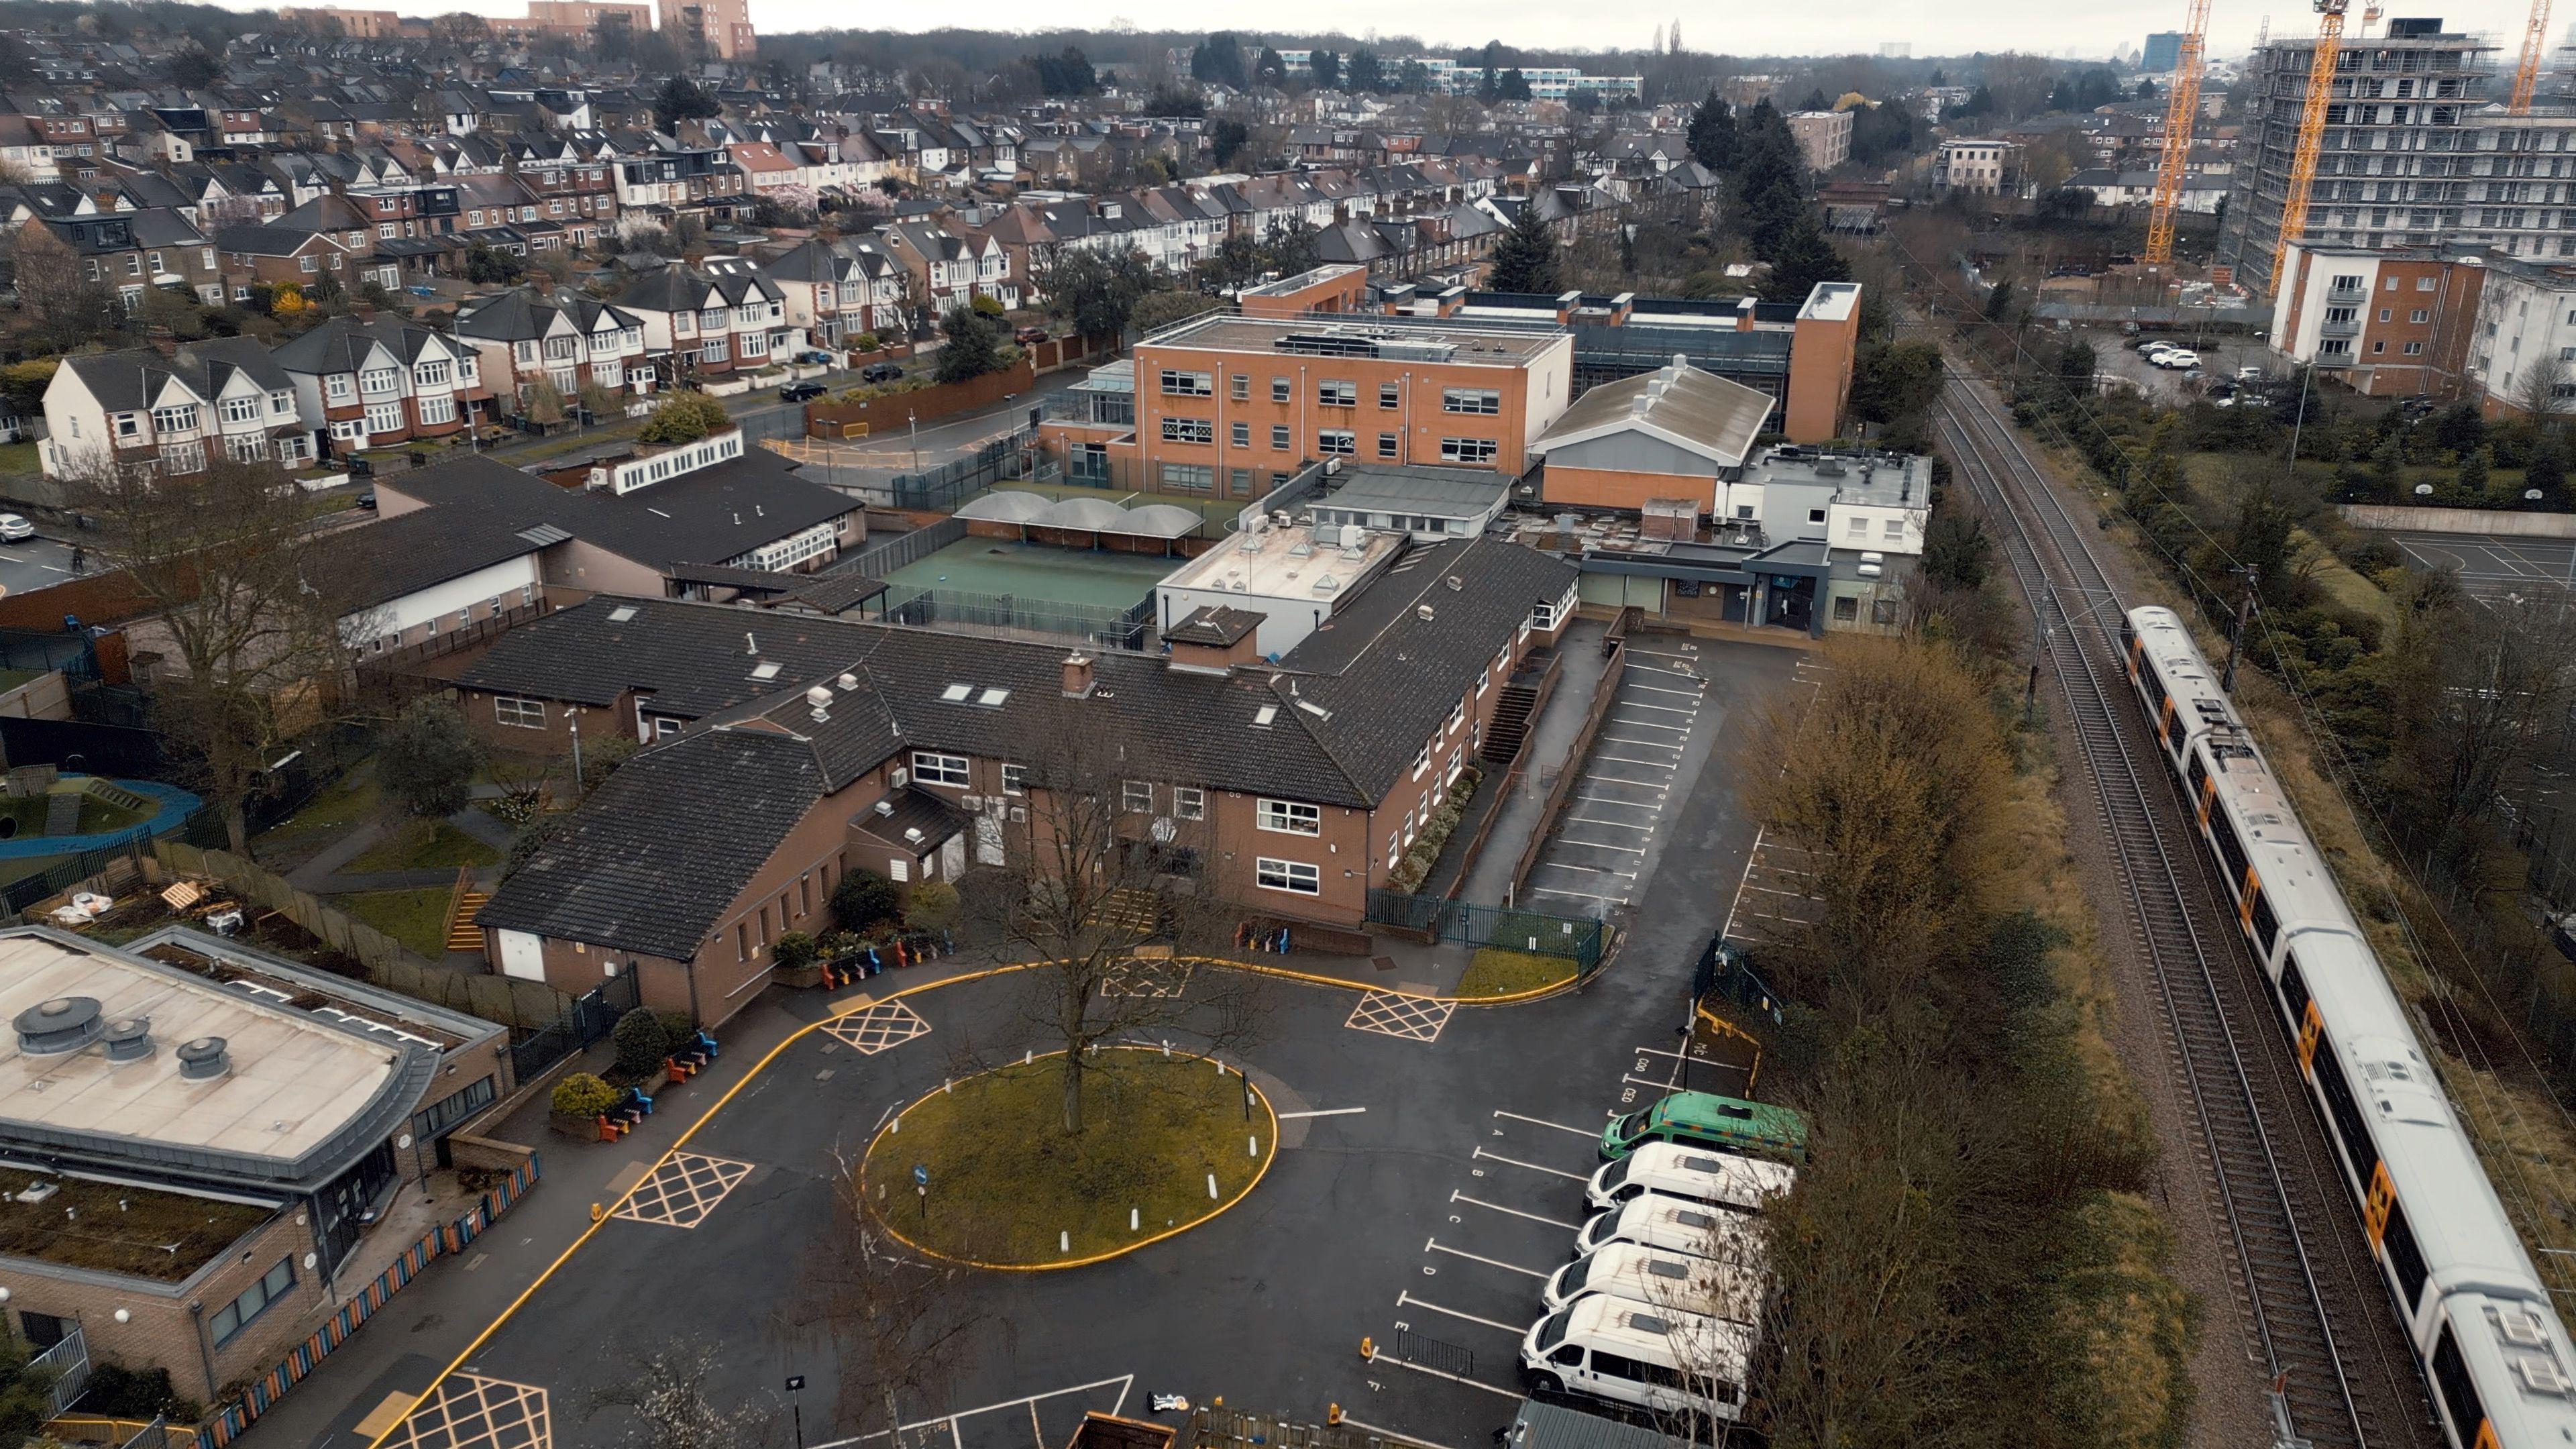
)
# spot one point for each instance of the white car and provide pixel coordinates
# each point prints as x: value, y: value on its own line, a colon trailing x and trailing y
x: 2176, y: 359
x: 2249, y: 374
x: 13, y: 528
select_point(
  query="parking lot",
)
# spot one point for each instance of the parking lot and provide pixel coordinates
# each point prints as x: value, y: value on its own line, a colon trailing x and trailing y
x: 2116, y: 355
x: 2493, y: 568
x: 1601, y: 850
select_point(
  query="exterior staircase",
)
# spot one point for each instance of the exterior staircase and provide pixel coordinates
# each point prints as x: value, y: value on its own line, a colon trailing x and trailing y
x: 1510, y: 726
x: 62, y: 811
x: 462, y: 933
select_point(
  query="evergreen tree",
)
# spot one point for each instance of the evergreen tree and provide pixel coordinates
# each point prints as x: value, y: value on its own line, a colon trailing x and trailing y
x: 1218, y: 60
x: 1514, y: 86
x: 2547, y: 470
x: 1269, y: 68
x: 1770, y: 179
x: 1815, y: 101
x: 1365, y: 76
x: 1326, y: 68
x: 1526, y: 260
x: 974, y: 345
x: 678, y: 101
x: 1711, y: 135
x: 1980, y: 102
x: 1806, y: 256
x: 2474, y: 471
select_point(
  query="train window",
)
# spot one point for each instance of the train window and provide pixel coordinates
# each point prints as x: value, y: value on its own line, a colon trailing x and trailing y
x: 2405, y: 1259
x: 2199, y: 777
x: 2267, y: 926
x: 2343, y: 1114
x: 2459, y: 1394
x: 2230, y: 849
x: 2294, y: 995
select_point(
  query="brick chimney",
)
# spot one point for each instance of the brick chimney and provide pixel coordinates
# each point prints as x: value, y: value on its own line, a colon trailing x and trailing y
x: 163, y: 341
x: 1077, y: 675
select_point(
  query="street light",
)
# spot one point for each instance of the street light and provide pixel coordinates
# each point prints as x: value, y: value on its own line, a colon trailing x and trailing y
x: 912, y: 425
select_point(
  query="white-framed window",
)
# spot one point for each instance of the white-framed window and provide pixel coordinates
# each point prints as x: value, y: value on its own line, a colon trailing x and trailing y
x: 241, y: 409
x: 246, y: 447
x: 1289, y: 817
x: 1341, y: 441
x: 1894, y: 530
x: 524, y: 714
x: 2414, y: 349
x: 282, y: 403
x: 1458, y: 717
x: 1294, y: 876
x: 1177, y: 383
x: 1422, y: 762
x: 1136, y: 797
x: 1470, y: 400
x: 755, y: 344
x: 384, y: 417
x: 1337, y: 393
x: 932, y: 769
x: 310, y: 264
x: 430, y: 374
x: 377, y: 381
x: 174, y: 419
x: 437, y: 408
x: 608, y: 374
x: 1015, y: 779
x: 713, y: 351
x: 1189, y: 477
x: 1189, y: 430
x: 1189, y: 802
x: 1240, y: 434
x: 1390, y: 396
x: 1468, y: 450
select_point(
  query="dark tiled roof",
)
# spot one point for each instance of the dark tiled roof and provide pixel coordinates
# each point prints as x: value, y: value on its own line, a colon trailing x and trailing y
x: 905, y: 811
x: 652, y: 859
x: 832, y: 593
x: 694, y: 661
x: 704, y: 517
x: 1214, y: 624
x: 379, y: 562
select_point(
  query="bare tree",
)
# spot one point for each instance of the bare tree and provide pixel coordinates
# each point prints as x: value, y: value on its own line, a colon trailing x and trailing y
x: 2543, y: 389
x: 898, y: 1329
x: 2483, y: 690
x: 249, y: 618
x: 57, y: 294
x: 666, y: 1388
x: 1104, y: 883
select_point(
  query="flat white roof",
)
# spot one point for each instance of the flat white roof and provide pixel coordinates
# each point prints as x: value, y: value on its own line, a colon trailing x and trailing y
x: 1287, y: 563
x: 294, y: 1083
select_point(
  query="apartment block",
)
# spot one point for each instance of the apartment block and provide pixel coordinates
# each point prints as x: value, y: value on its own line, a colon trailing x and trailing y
x: 1823, y: 137
x: 2387, y: 323
x: 2522, y: 346
x: 1979, y: 167
x: 2405, y: 157
x: 721, y: 27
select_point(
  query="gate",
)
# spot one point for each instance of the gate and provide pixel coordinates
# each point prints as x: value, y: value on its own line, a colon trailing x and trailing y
x: 591, y: 1016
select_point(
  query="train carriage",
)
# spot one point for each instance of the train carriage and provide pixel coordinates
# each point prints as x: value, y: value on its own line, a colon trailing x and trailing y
x: 2476, y: 1313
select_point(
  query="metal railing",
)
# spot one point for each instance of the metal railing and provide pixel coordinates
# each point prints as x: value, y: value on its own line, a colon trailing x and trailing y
x: 1011, y: 616
x: 68, y: 1362
x: 1508, y: 928
x: 901, y: 550
x: 953, y: 482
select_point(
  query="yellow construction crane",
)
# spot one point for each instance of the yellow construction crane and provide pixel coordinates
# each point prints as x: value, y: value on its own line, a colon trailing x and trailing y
x: 2312, y: 134
x: 2526, y: 76
x: 2182, y: 108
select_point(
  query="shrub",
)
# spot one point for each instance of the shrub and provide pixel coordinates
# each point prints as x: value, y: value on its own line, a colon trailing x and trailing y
x: 794, y: 950
x: 641, y: 1042
x: 580, y: 1094
x: 862, y: 899
x: 678, y: 1026
x: 530, y: 837
x: 684, y: 417
x: 865, y: 342
x: 429, y: 757
x: 836, y: 944
x: 118, y: 1392
x: 989, y: 306
x: 934, y: 906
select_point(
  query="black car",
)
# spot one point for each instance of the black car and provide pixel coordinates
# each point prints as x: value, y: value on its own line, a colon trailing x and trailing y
x: 881, y: 372
x: 801, y: 391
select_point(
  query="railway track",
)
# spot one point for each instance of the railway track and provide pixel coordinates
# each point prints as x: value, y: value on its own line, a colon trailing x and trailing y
x: 2319, y: 1318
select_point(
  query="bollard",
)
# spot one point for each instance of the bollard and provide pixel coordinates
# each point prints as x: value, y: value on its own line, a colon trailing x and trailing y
x: 1028, y: 1055
x: 597, y: 1212
x: 1211, y: 1185
x: 1332, y: 1413
x: 1064, y: 1242
x: 1132, y: 1214
x: 1167, y: 1049
x: 895, y: 1126
x: 1252, y: 1147
x: 1368, y: 1347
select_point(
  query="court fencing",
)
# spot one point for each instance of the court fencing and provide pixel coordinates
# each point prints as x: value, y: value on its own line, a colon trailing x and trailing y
x: 1009, y: 616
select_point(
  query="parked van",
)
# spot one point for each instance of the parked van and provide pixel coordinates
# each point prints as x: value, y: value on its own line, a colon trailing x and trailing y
x: 1659, y: 1276
x: 1669, y: 1223
x: 1634, y: 1353
x: 1701, y: 1174
x: 1751, y: 1128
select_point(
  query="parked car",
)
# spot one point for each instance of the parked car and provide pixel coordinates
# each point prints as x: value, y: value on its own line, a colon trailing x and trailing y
x: 815, y: 356
x: 2249, y: 374
x: 2150, y: 344
x: 1029, y: 334
x: 14, y: 527
x: 881, y: 372
x: 2177, y: 360
x: 367, y: 500
x: 796, y: 392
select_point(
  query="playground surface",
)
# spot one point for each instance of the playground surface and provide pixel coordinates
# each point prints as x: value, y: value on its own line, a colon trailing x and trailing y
x: 1090, y: 577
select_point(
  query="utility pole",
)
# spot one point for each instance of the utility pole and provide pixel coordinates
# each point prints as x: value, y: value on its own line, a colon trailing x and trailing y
x: 2236, y: 634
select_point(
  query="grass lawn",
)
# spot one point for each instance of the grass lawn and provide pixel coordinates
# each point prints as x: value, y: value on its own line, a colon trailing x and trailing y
x: 1496, y: 972
x: 1005, y: 1180
x: 339, y: 806
x: 416, y: 918
x: 19, y: 458
x: 97, y: 817
x: 424, y: 845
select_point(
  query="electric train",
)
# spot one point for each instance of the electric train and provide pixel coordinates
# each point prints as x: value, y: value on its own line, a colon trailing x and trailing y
x: 2476, y: 1313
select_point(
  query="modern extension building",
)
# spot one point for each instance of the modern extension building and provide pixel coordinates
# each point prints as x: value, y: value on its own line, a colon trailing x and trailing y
x: 2389, y: 323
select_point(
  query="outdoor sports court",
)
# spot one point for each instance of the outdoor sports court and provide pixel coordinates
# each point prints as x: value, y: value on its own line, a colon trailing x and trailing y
x: 1032, y: 571
x: 2491, y: 566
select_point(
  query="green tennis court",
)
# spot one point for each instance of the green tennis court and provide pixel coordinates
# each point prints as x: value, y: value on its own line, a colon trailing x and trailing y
x: 1035, y: 571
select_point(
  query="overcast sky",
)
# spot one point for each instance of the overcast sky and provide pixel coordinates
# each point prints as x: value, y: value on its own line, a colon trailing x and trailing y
x: 2054, y: 27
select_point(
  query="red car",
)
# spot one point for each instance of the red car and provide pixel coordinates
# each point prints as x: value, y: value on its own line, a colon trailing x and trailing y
x: 1029, y: 334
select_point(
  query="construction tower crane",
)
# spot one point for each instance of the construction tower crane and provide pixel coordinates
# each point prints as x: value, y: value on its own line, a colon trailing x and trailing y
x: 2312, y: 133
x: 2182, y: 108
x: 2526, y: 76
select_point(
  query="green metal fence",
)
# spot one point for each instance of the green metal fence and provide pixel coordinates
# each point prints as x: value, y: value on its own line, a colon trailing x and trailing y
x: 1474, y: 925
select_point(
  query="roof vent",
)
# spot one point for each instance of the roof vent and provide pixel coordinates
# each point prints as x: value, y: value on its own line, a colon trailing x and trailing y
x: 1456, y: 583
x: 885, y: 807
x: 129, y: 1040
x: 64, y: 1024
x: 849, y: 683
x: 1423, y: 612
x: 204, y: 1059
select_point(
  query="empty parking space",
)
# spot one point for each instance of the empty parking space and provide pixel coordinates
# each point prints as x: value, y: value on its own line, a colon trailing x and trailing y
x: 1593, y: 860
x: 2493, y: 568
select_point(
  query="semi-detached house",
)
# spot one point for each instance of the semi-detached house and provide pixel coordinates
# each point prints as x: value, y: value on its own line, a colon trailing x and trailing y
x: 706, y: 325
x: 223, y: 397
x: 563, y: 338
x: 809, y: 747
x: 373, y: 383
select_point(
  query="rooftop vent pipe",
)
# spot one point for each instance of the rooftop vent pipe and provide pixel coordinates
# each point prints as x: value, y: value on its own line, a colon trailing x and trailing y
x: 129, y: 1040
x: 203, y: 1060
x: 64, y: 1024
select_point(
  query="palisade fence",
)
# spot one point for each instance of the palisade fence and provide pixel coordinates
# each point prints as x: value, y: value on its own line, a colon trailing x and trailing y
x: 953, y: 482
x: 1435, y: 919
x: 1013, y: 617
x: 900, y: 550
